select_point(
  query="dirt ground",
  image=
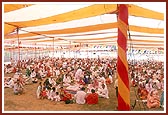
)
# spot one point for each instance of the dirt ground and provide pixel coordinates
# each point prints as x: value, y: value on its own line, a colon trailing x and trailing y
x: 29, y: 102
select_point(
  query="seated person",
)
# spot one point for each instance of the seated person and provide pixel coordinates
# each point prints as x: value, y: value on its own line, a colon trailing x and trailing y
x: 65, y: 96
x: 86, y: 79
x: 9, y: 82
x: 18, y: 88
x: 44, y: 93
x: 9, y: 70
x: 95, y: 83
x: 28, y: 72
x: 109, y: 79
x: 52, y: 94
x: 28, y: 80
x: 153, y: 100
x: 73, y: 88
x: 143, y: 94
x: 81, y: 81
x: 103, y: 92
x: 90, y: 87
x: 52, y: 81
x: 42, y: 73
x: 134, y: 82
x: 33, y: 74
x: 57, y: 97
x: 66, y: 80
x: 34, y: 80
x: 92, y: 98
x: 80, y: 96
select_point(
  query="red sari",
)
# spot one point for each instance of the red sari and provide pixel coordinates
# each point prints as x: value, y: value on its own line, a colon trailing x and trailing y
x: 65, y: 95
x: 92, y: 98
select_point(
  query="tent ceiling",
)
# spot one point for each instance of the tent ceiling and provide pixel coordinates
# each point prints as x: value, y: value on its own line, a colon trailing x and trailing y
x: 12, y: 7
x: 93, y: 21
x: 90, y: 28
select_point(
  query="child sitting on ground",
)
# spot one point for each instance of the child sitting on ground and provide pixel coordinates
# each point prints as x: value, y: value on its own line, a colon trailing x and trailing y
x: 57, y: 97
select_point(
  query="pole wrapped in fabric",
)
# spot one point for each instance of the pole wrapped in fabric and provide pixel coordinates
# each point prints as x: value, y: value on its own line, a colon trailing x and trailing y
x: 122, y: 64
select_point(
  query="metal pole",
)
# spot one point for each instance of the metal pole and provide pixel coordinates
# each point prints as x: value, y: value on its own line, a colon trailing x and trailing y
x: 53, y: 47
x: 18, y: 47
x: 69, y: 48
x: 53, y: 60
x: 35, y: 50
x: 12, y: 50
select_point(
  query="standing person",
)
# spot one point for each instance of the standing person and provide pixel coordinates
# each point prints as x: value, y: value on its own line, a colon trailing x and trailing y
x: 39, y: 90
x: 162, y: 99
x: 80, y: 96
x: 92, y: 98
x: 116, y: 86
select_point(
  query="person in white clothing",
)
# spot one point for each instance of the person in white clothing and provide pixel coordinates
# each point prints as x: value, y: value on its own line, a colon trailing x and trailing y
x: 9, y: 83
x: 33, y: 74
x: 52, y: 94
x: 78, y: 74
x: 66, y: 80
x: 57, y: 97
x: 90, y: 87
x: 80, y: 96
x: 38, y: 92
x: 103, y: 91
x: 57, y: 72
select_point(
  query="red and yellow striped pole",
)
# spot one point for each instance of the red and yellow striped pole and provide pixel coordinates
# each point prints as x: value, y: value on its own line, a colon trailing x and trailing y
x: 122, y: 64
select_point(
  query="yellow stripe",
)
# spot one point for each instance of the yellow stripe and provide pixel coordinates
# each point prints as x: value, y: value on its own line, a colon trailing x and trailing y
x: 138, y: 11
x: 123, y: 91
x: 123, y: 27
x: 122, y: 55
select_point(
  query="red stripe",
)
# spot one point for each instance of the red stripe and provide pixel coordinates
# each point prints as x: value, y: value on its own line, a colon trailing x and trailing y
x: 122, y: 41
x: 121, y: 69
x: 122, y: 106
x: 122, y: 72
x: 123, y: 14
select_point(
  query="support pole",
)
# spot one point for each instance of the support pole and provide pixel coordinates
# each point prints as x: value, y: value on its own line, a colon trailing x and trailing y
x: 18, y: 48
x: 53, y: 47
x: 35, y: 50
x: 69, y: 48
x: 122, y: 64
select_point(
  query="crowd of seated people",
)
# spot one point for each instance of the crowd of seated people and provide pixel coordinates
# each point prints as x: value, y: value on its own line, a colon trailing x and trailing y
x: 148, y: 77
x: 62, y: 78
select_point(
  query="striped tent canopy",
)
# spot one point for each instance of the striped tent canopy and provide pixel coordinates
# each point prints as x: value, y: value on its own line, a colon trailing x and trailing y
x: 82, y: 23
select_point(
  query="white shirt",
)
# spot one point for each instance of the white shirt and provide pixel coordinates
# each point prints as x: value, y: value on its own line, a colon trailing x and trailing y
x: 80, y: 97
x: 57, y: 98
x: 57, y: 72
x: 103, y: 92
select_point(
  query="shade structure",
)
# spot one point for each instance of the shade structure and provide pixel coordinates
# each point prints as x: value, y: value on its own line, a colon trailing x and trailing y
x: 12, y: 7
x: 87, y: 25
x: 81, y: 23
